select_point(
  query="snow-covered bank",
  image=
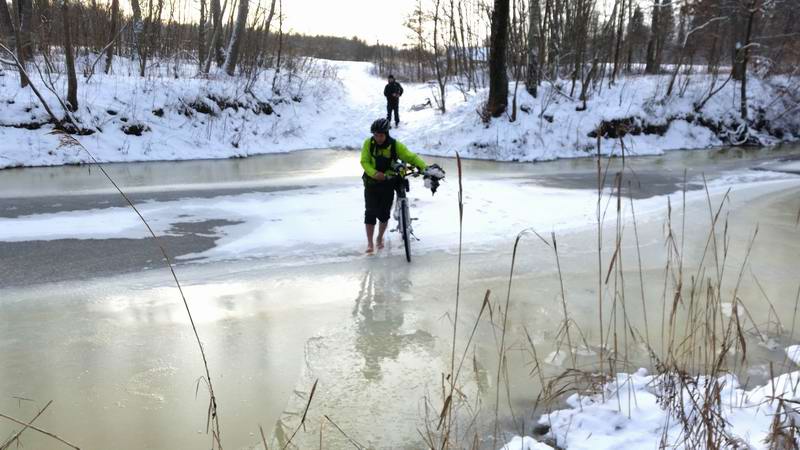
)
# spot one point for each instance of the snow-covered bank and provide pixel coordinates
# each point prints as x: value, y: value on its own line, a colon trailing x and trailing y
x: 631, y: 413
x: 128, y: 118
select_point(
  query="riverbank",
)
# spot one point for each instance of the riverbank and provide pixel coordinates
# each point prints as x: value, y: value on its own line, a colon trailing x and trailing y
x: 175, y: 115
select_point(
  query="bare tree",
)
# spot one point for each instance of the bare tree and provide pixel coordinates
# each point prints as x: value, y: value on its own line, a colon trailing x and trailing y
x: 743, y: 54
x: 653, y: 64
x: 138, y: 28
x: 265, y: 29
x: 441, y: 72
x: 151, y: 33
x: 72, y: 80
x: 113, y: 34
x: 618, y: 41
x: 280, y: 48
x: 415, y: 23
x: 24, y: 37
x: 498, y: 78
x: 216, y: 35
x: 24, y: 75
x: 6, y: 26
x: 636, y: 33
x: 534, y: 40
x: 467, y: 55
x: 201, y: 35
x: 236, y: 38
x: 666, y: 24
x: 579, y: 36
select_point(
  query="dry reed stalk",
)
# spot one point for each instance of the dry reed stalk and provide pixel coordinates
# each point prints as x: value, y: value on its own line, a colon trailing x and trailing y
x: 303, y: 418
x: 351, y: 440
x: 212, y: 419
x: 47, y: 433
x: 16, y: 436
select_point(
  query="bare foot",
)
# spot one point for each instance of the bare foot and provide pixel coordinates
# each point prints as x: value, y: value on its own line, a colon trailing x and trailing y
x: 380, y: 244
x: 370, y: 250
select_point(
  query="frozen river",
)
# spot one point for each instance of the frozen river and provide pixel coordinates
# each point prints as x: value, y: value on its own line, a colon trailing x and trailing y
x: 269, y: 251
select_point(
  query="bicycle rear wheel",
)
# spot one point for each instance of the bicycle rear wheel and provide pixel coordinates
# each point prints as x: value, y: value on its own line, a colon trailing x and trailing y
x: 405, y: 223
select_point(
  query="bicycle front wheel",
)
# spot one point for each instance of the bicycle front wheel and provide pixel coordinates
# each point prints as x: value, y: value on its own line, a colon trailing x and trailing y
x: 405, y: 224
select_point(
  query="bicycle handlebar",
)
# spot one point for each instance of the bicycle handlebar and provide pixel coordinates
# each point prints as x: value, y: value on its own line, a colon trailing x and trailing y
x: 402, y: 171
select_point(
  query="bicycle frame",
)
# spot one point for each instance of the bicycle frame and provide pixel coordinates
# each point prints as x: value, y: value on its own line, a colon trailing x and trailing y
x: 401, y: 209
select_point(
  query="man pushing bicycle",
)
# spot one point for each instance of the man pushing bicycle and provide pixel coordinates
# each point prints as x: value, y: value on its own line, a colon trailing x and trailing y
x: 379, y: 155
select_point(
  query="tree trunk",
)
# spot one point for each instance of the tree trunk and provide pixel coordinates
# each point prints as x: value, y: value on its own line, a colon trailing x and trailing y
x: 441, y: 74
x: 138, y: 28
x: 25, y: 30
x: 554, y: 43
x: 534, y: 38
x: 652, y: 65
x: 6, y: 25
x: 19, y: 44
x: 628, y: 39
x: 262, y: 43
x: 618, y: 47
x: 236, y: 38
x: 277, y: 72
x: 585, y: 85
x: 215, y: 42
x: 23, y: 38
x: 69, y: 54
x: 498, y: 78
x: 466, y: 52
x: 744, y: 53
x: 201, y: 35
x: 154, y: 41
x: 112, y: 34
x: 580, y: 35
x: 144, y: 43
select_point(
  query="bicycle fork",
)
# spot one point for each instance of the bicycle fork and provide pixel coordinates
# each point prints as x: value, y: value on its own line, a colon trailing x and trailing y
x: 396, y: 216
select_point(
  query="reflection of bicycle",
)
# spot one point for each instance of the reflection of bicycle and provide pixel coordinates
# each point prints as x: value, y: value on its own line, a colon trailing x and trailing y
x: 401, y: 209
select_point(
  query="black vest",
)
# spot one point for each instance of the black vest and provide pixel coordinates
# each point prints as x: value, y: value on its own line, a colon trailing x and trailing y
x: 382, y: 163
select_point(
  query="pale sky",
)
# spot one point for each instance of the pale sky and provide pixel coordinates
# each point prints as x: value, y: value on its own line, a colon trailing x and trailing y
x: 370, y: 20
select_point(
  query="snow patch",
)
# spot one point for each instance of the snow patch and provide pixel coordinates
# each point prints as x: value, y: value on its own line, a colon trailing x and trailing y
x: 629, y: 413
x: 332, y: 105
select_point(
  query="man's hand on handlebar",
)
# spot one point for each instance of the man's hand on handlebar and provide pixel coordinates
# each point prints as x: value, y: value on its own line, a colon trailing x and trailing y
x: 380, y: 176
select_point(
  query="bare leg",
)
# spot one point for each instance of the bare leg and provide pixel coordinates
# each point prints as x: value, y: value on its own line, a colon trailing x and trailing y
x: 381, y: 230
x: 370, y: 233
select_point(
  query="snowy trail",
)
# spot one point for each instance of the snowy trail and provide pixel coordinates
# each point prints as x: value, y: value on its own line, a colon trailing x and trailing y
x: 361, y: 101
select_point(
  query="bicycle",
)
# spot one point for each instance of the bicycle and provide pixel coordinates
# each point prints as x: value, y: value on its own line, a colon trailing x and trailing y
x: 401, y: 209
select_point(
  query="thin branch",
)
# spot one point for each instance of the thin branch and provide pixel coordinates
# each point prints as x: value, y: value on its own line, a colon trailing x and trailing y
x: 39, y: 430
x: 700, y: 27
x: 16, y: 436
x: 102, y: 52
x: 352, y: 441
x: 24, y: 73
x: 305, y: 413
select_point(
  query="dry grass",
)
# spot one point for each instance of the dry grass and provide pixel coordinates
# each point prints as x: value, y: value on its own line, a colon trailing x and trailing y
x: 704, y: 333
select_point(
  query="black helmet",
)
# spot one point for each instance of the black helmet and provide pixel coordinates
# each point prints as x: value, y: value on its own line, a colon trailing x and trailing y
x: 380, y: 126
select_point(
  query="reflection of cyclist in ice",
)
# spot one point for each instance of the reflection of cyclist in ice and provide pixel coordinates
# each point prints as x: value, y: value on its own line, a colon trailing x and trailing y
x: 379, y: 314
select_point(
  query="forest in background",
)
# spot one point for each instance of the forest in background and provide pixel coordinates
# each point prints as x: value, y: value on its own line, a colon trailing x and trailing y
x: 471, y: 44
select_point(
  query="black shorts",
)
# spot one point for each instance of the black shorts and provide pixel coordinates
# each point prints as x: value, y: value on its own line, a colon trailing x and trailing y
x: 378, y: 198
